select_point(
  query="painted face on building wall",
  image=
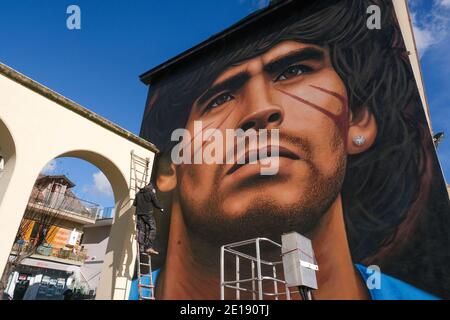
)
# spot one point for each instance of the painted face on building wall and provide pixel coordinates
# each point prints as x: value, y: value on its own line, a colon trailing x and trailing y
x: 293, y: 88
x: 354, y: 142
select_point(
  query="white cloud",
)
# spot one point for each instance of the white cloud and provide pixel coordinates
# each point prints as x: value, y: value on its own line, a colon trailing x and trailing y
x: 255, y: 4
x: 101, y: 184
x: 432, y: 30
x: 424, y: 39
x: 432, y: 27
x: 50, y: 167
x: 445, y: 3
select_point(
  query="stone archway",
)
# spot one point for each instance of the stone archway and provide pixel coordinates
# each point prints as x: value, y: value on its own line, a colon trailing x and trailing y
x: 46, y: 125
x: 118, y: 265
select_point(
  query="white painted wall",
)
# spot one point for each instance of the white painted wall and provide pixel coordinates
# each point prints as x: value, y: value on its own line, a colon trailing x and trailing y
x: 95, y: 241
x: 30, y: 126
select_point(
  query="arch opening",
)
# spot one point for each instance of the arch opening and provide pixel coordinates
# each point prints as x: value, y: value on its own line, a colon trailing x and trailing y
x: 7, y: 158
x: 63, y: 236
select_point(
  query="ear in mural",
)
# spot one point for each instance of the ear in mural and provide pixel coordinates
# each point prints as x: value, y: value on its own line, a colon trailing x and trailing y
x: 357, y: 171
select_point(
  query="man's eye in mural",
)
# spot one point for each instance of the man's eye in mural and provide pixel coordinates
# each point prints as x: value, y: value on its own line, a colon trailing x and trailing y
x: 218, y: 101
x: 293, y: 71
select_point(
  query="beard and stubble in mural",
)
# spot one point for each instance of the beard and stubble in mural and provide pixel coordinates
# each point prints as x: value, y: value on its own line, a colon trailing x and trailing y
x: 307, y: 101
x: 290, y: 86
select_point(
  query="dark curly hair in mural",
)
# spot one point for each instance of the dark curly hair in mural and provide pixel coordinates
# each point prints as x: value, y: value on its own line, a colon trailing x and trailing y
x: 395, y: 211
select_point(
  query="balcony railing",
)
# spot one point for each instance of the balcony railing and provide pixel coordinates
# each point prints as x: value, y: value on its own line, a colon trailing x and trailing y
x: 66, y: 203
x: 106, y: 213
x: 48, y: 251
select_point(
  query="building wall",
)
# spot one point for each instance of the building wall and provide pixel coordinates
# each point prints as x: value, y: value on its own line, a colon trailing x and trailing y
x: 95, y: 241
x: 25, y: 108
x: 47, y: 280
x: 58, y: 235
x: 2, y: 163
x: 385, y: 199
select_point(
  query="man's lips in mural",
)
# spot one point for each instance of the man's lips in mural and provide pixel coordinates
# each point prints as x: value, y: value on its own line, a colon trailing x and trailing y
x: 266, y: 152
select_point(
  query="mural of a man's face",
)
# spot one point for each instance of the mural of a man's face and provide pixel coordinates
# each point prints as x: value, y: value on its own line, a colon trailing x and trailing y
x: 357, y: 168
x: 291, y: 87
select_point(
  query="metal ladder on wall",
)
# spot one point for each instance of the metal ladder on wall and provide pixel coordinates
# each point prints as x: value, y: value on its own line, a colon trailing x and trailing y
x: 139, y: 178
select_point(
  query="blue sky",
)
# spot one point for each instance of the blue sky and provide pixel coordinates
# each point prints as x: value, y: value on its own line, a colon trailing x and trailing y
x: 431, y: 19
x: 98, y: 66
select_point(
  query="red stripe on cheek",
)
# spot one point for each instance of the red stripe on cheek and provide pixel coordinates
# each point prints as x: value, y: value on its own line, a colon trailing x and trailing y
x: 341, y: 119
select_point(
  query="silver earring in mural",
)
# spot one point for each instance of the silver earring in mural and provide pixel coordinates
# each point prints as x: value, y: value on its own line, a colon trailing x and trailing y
x: 359, y: 140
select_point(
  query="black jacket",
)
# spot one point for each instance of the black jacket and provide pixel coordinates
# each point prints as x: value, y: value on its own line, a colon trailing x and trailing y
x: 144, y: 202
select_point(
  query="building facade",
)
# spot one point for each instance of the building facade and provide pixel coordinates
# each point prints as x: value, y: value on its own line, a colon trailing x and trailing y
x: 357, y: 170
x: 95, y: 242
x: 57, y: 214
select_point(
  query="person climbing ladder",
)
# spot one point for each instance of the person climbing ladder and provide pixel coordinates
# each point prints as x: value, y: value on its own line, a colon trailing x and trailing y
x: 144, y: 202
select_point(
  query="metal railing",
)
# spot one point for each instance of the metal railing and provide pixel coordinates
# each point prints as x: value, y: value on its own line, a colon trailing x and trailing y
x: 66, y: 203
x: 106, y: 213
x: 255, y: 284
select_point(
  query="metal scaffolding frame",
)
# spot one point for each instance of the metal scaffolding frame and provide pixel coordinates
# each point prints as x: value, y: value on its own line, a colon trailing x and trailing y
x: 257, y: 277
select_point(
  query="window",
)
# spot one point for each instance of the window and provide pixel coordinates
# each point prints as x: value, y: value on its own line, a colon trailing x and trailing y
x: 35, y: 231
